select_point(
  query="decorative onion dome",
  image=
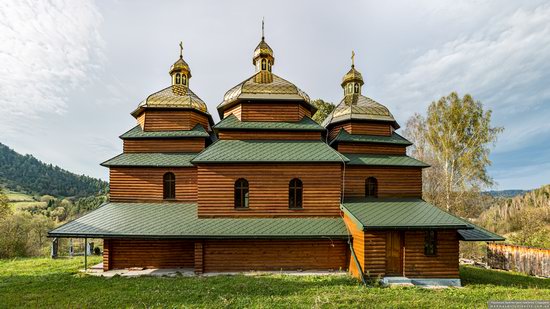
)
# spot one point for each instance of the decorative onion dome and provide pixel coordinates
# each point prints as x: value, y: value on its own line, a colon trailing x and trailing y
x: 263, y: 58
x: 175, y: 96
x: 352, y: 76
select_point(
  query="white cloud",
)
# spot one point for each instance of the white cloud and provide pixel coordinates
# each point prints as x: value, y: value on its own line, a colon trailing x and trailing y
x: 503, y: 64
x: 47, y: 49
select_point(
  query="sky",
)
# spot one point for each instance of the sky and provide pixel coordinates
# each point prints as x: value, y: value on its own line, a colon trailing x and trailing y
x: 72, y: 71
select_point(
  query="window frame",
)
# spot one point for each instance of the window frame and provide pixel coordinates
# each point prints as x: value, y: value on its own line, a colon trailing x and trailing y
x: 241, y: 194
x: 169, y: 186
x: 295, y: 194
x: 374, y: 189
x: 430, y: 243
x: 178, y: 78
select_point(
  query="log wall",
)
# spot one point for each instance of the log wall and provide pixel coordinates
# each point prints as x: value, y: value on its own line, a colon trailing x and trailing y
x: 392, y: 181
x: 235, y: 110
x: 371, y: 148
x: 275, y: 111
x: 171, y: 120
x: 194, y: 145
x: 146, y: 183
x: 274, y: 255
x: 126, y: 253
x: 443, y: 265
x: 271, y: 135
x: 527, y: 260
x: 268, y: 185
x: 362, y: 128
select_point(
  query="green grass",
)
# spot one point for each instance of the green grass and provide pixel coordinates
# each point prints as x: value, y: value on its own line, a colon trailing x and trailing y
x: 18, y: 197
x: 40, y: 282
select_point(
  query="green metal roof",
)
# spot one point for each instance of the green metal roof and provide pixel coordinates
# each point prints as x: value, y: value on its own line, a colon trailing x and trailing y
x: 176, y: 220
x: 383, y: 160
x: 153, y: 159
x: 344, y: 136
x: 248, y: 151
x: 138, y: 133
x: 231, y: 122
x: 478, y: 234
x: 405, y: 213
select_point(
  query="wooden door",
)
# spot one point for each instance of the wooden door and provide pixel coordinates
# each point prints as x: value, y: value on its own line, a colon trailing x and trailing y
x: 394, y: 261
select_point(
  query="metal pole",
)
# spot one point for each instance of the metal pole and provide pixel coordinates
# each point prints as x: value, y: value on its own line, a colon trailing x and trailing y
x: 85, y: 254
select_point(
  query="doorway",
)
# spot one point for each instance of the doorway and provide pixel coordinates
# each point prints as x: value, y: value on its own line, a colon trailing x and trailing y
x: 394, y: 254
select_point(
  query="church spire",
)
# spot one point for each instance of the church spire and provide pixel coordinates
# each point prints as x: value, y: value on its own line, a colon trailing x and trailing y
x: 179, y: 71
x: 263, y: 58
x: 353, y: 80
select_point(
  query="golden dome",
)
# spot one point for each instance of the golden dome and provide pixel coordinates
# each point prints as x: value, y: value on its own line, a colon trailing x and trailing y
x: 352, y: 76
x: 359, y: 107
x: 180, y: 66
x: 175, y: 96
x: 263, y: 50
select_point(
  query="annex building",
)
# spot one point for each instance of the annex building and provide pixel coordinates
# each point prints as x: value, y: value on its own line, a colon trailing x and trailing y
x: 267, y: 188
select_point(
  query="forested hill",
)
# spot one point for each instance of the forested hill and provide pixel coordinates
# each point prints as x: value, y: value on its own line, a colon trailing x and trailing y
x: 25, y: 173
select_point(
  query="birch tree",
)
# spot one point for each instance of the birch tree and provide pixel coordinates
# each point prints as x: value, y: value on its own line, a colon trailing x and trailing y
x: 456, y: 138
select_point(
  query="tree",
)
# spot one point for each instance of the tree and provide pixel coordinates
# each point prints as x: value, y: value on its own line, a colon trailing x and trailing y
x: 5, y: 209
x: 455, y: 138
x: 323, y: 110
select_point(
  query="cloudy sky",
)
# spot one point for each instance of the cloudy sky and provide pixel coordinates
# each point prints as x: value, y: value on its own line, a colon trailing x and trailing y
x: 71, y: 72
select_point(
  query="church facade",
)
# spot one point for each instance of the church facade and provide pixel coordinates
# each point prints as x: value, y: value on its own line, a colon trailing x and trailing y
x: 268, y: 189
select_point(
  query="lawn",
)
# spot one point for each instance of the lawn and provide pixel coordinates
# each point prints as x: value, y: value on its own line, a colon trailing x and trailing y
x: 40, y: 282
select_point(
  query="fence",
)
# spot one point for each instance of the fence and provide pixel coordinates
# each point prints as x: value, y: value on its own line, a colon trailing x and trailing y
x: 528, y: 260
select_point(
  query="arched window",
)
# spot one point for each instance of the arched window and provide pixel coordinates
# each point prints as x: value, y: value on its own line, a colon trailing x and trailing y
x: 184, y: 79
x: 269, y: 66
x: 169, y: 186
x: 178, y: 78
x: 350, y: 89
x: 356, y: 88
x: 241, y: 193
x: 371, y: 187
x: 295, y: 190
x: 263, y: 64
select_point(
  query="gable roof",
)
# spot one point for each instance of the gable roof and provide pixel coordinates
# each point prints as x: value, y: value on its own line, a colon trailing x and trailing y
x: 266, y: 151
x: 231, y: 122
x: 180, y: 220
x: 344, y: 136
x: 138, y: 133
x: 383, y: 160
x: 152, y: 159
x: 399, y: 213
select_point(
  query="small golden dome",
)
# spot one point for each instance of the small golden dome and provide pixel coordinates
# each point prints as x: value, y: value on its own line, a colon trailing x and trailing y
x: 180, y: 66
x: 352, y: 76
x: 263, y: 51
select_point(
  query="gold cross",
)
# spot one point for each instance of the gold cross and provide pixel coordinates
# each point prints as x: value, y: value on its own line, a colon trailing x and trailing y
x: 262, y: 28
x: 352, y: 58
x: 181, y: 49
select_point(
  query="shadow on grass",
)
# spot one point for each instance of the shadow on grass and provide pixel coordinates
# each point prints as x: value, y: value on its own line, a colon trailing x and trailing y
x: 473, y: 275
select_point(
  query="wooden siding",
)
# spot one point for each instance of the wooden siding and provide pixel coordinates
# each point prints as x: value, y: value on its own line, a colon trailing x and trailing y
x: 271, y: 135
x: 362, y: 128
x: 235, y: 110
x: 125, y: 253
x: 264, y: 255
x: 375, y: 253
x: 371, y: 148
x: 106, y: 254
x: 392, y: 181
x: 443, y: 265
x: 199, y: 257
x: 275, y: 111
x: 164, y: 145
x: 269, y: 189
x: 303, y: 111
x: 358, y: 247
x: 170, y: 120
x: 141, y: 120
x: 145, y: 183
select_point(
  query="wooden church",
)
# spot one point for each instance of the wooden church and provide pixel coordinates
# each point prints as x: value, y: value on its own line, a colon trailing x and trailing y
x: 268, y: 189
